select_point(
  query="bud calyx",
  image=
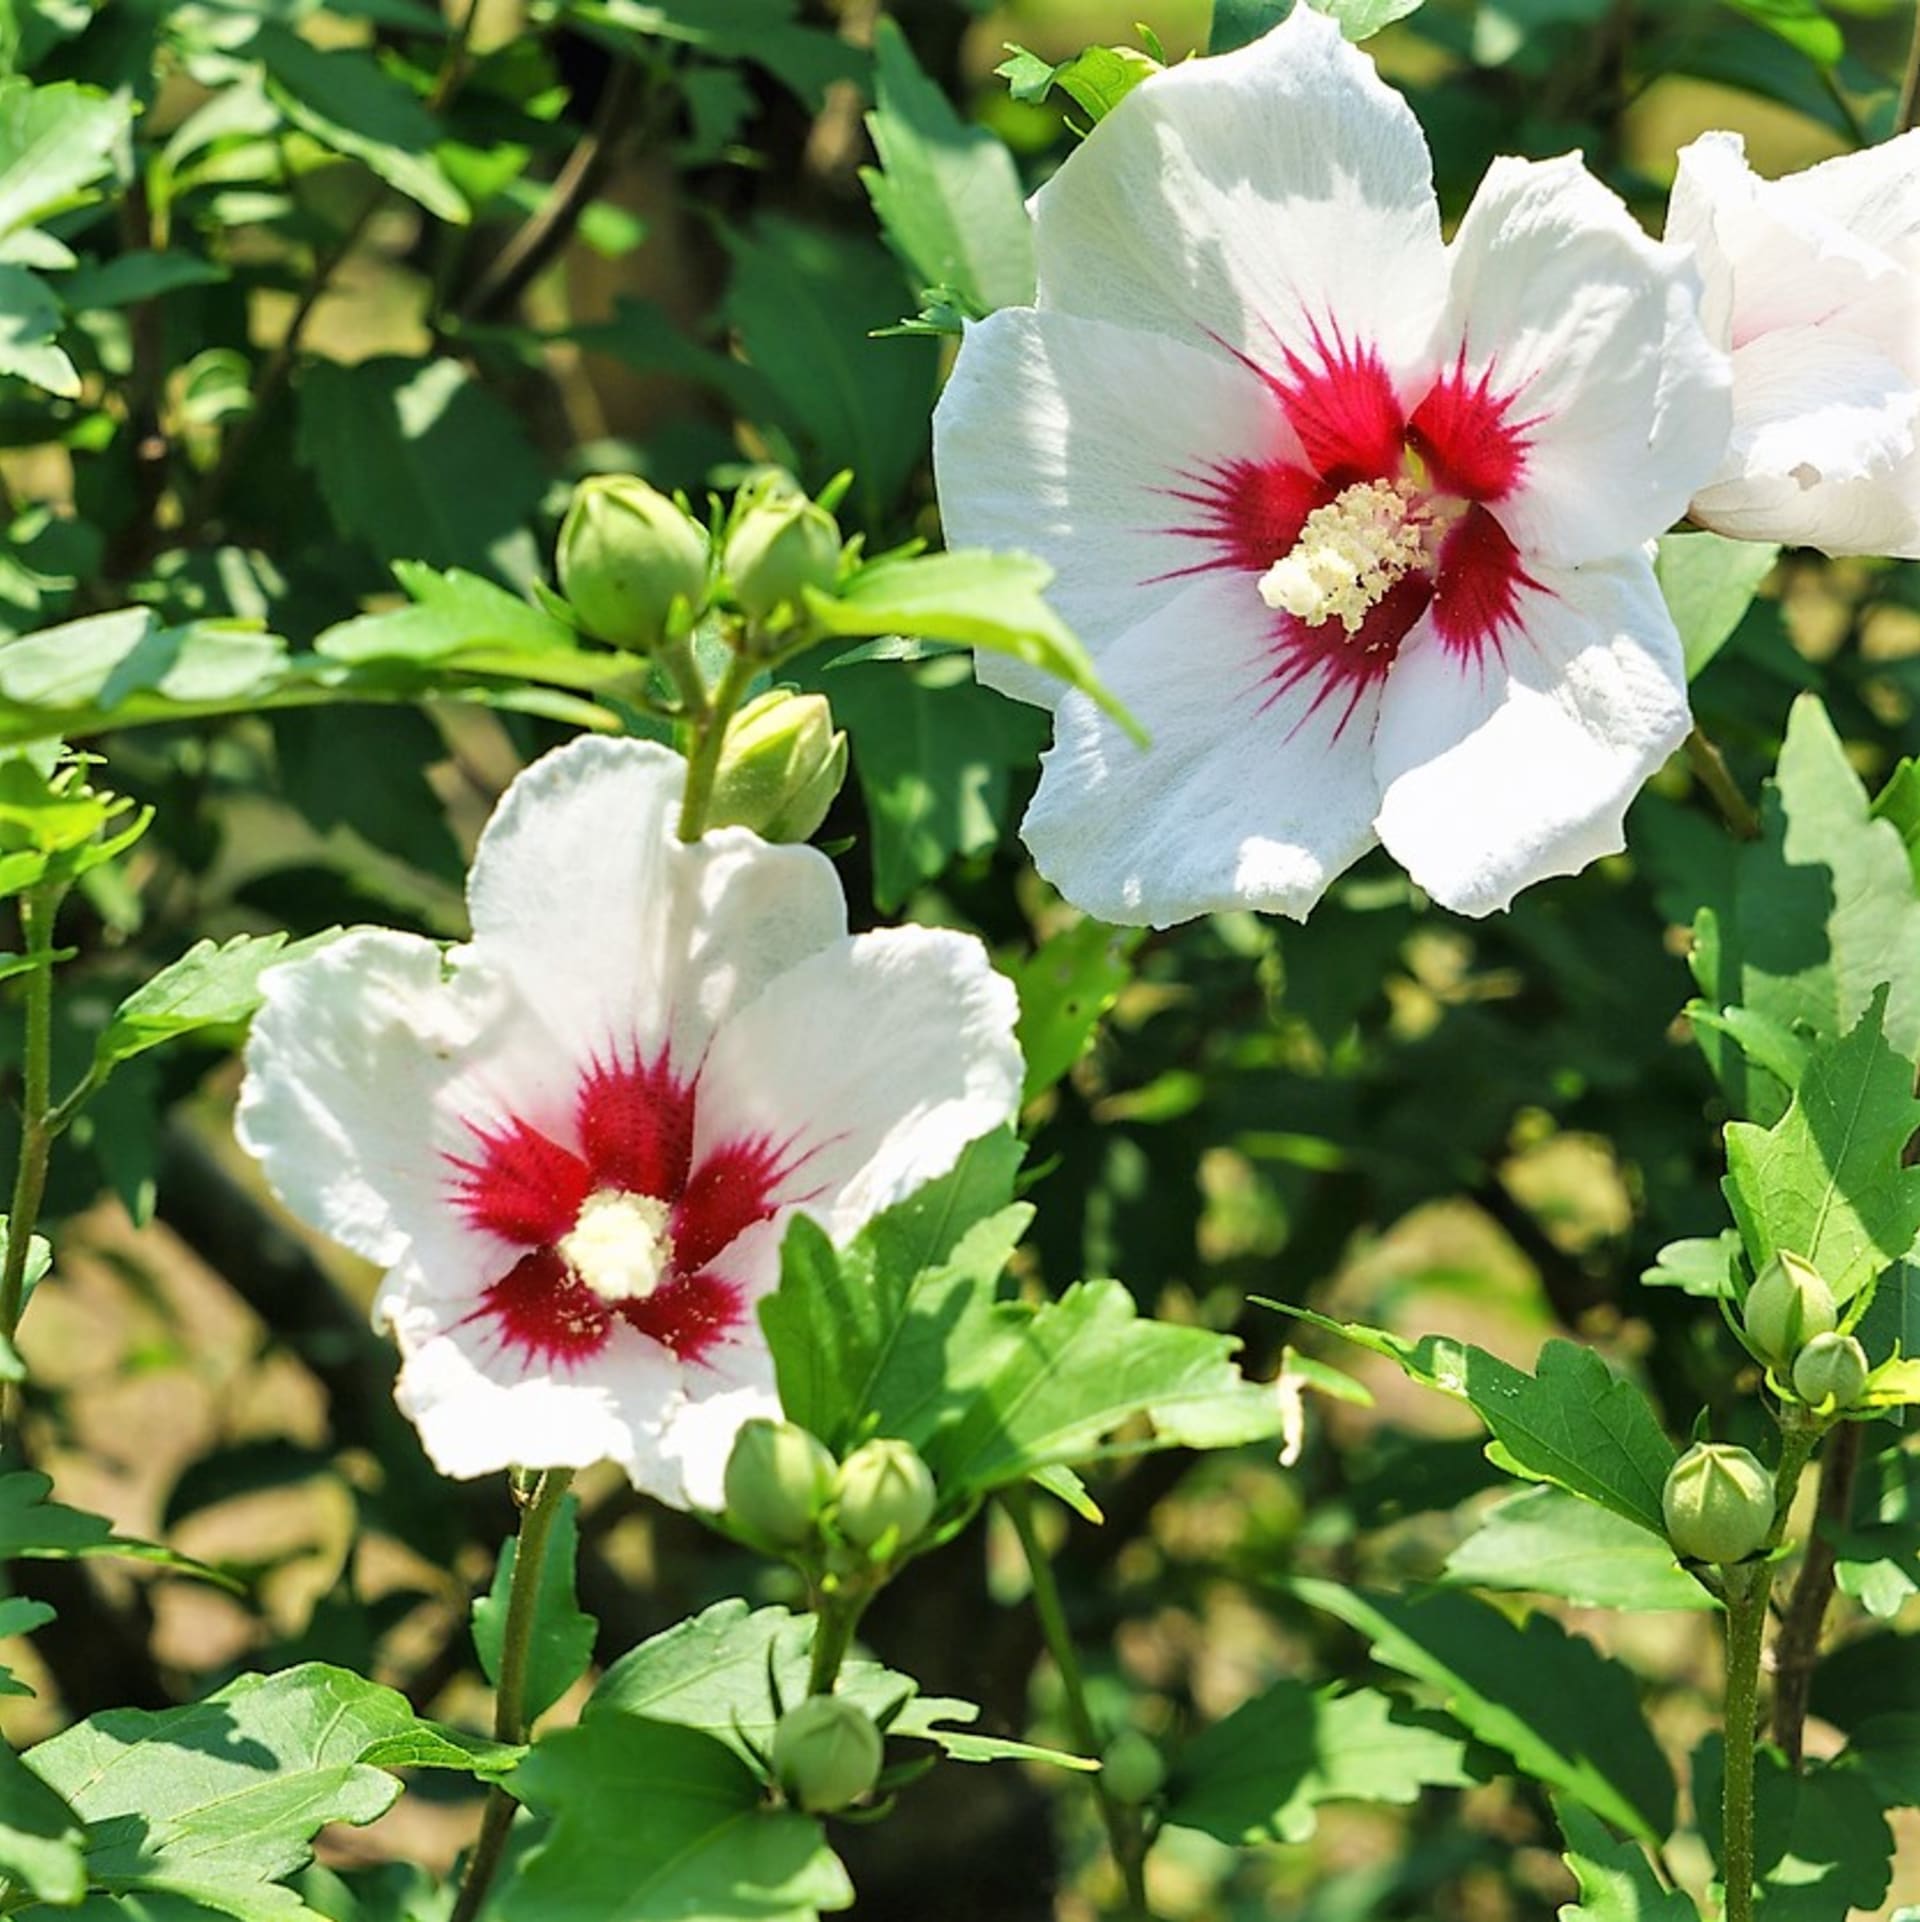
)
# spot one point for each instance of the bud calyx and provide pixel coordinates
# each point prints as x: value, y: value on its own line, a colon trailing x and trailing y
x: 1718, y: 1503
x: 884, y: 1485
x: 632, y: 563
x: 826, y: 1753
x: 777, y: 1481
x: 1788, y: 1304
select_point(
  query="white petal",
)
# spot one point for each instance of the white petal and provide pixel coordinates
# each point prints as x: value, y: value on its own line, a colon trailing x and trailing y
x: 1501, y: 773
x: 1252, y: 196
x: 1244, y: 799
x: 1874, y: 195
x: 616, y: 933
x: 362, y: 1063
x: 1069, y: 438
x: 877, y: 1059
x: 1595, y: 329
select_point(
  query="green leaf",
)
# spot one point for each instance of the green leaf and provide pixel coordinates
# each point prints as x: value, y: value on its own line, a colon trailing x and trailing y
x: 213, y: 985
x: 29, y: 320
x: 804, y: 302
x: 417, y: 459
x: 1573, y: 1423
x: 1879, y: 1554
x: 946, y: 192
x: 454, y: 617
x: 34, y: 1528
x: 41, y: 1839
x: 836, y: 1323
x: 344, y: 100
x: 1823, y: 1849
x: 653, y: 1822
x: 55, y: 143
x: 218, y: 1802
x: 1802, y: 24
x: 972, y: 598
x: 1051, y: 1384
x: 804, y: 59
x: 1567, y: 1716
x: 1826, y: 1181
x: 1544, y: 1542
x: 1702, y: 1265
x: 1263, y: 1773
x: 719, y: 1671
x: 1237, y: 22
x: 130, y: 278
x: 1887, y: 1749
x: 1066, y: 986
x: 934, y: 756
x: 1617, y: 1882
x: 1709, y: 582
x: 1096, y: 79
x: 562, y: 1641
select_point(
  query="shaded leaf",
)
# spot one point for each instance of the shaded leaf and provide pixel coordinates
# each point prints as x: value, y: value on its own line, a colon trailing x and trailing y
x: 1567, y: 1716
x: 1709, y: 582
x: 1544, y: 1542
x: 1617, y: 1882
x: 42, y: 1841
x: 1262, y: 1774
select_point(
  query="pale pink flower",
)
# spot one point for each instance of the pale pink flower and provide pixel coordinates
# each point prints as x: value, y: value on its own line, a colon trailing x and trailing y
x: 1813, y: 282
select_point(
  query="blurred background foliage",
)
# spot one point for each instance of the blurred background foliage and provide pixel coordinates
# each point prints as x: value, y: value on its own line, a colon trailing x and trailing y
x: 380, y: 293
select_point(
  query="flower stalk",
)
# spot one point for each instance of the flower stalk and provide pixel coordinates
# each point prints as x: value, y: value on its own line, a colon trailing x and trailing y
x: 38, y: 909
x: 539, y: 1504
x: 1749, y: 1587
x: 1126, y: 1833
x: 1711, y: 771
x: 709, y: 737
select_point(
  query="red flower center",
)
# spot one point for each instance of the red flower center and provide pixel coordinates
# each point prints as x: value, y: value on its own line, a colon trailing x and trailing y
x: 1447, y: 459
x: 618, y: 1223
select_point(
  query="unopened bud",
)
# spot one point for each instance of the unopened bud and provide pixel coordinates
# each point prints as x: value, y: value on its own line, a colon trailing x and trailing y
x: 884, y: 1485
x: 779, y: 544
x: 1718, y: 1503
x: 826, y: 1753
x: 626, y: 556
x: 777, y: 1481
x: 1786, y: 1307
x: 1830, y: 1369
x: 1132, y: 1770
x: 781, y: 766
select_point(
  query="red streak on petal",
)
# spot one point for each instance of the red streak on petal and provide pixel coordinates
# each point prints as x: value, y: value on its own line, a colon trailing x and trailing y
x: 1344, y: 409
x: 636, y: 1126
x: 1477, y: 585
x: 541, y: 1310
x: 1462, y: 432
x: 521, y: 1186
x: 1251, y: 513
x: 1345, y: 666
x: 688, y: 1315
x: 730, y: 1191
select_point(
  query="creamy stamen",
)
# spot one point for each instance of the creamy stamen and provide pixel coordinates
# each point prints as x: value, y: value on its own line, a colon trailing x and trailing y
x: 1351, y: 553
x: 619, y: 1247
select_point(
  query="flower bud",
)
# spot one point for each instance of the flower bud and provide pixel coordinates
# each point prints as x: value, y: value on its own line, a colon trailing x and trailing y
x: 884, y: 1485
x: 780, y: 767
x: 1718, y: 1502
x: 1830, y: 1368
x: 626, y: 555
x: 779, y: 543
x: 1786, y: 1307
x: 826, y: 1753
x: 1132, y: 1768
x: 777, y: 1481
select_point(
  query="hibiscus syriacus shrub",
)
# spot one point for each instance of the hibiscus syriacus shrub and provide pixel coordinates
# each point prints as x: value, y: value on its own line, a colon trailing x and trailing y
x: 964, y: 991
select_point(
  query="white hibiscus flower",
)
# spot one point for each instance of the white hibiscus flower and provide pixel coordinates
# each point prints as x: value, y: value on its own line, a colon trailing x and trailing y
x: 576, y: 1141
x: 1813, y: 282
x: 1352, y: 520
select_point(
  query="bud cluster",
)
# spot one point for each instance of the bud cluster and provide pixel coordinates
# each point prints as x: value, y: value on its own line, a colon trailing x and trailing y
x: 784, y: 1489
x: 1792, y: 1323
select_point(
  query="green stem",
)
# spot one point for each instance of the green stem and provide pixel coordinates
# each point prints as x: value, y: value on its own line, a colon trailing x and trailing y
x: 1710, y: 770
x: 834, y: 1621
x: 510, y: 1696
x: 38, y: 907
x: 1125, y: 1836
x: 710, y: 736
x: 1749, y: 1588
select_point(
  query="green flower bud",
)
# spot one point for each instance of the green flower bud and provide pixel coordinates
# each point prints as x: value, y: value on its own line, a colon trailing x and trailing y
x: 826, y: 1753
x: 1830, y: 1368
x: 1786, y: 1307
x: 626, y: 555
x: 1132, y: 1768
x: 881, y: 1485
x: 780, y: 767
x: 1718, y: 1502
x: 779, y: 543
x: 777, y: 1481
